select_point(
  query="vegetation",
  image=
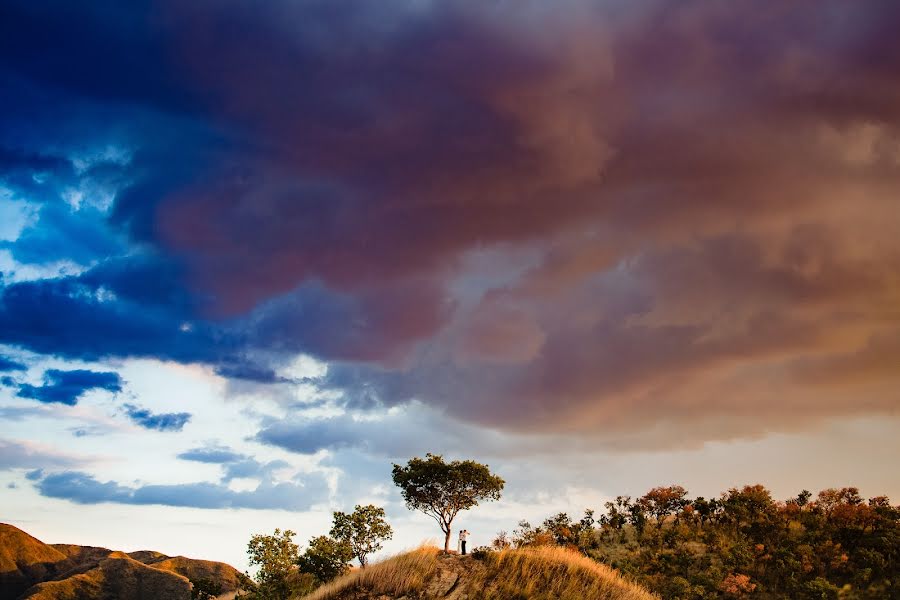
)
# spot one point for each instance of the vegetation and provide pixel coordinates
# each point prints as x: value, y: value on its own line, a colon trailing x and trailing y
x: 326, y: 558
x: 362, y: 531
x: 205, y: 589
x: 276, y: 556
x: 403, y: 575
x: 535, y: 573
x: 548, y: 572
x: 284, y: 573
x: 743, y: 544
x: 441, y: 490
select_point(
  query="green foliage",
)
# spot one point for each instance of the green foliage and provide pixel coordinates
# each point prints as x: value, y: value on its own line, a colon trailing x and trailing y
x: 205, y: 589
x: 742, y: 544
x: 362, y: 531
x: 326, y: 558
x: 276, y: 556
x: 663, y: 502
x: 558, y: 530
x: 441, y: 489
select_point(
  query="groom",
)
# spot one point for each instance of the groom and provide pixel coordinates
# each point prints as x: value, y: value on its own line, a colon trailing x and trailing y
x: 463, y: 536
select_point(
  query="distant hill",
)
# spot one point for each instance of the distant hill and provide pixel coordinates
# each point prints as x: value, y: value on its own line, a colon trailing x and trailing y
x: 543, y: 573
x: 25, y: 560
x: 33, y: 570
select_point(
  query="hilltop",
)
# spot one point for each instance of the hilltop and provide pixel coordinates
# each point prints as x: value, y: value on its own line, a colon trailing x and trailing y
x: 527, y: 574
x: 33, y: 570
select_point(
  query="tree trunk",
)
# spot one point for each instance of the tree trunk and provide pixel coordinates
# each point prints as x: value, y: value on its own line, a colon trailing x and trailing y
x: 447, y: 540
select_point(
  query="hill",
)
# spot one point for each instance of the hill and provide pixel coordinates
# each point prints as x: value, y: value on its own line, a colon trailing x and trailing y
x: 25, y: 560
x: 34, y: 570
x: 527, y: 574
x: 117, y: 576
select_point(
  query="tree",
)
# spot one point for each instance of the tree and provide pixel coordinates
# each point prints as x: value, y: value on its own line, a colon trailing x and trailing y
x: 326, y: 558
x: 441, y: 490
x: 660, y: 502
x: 363, y: 531
x: 205, y: 589
x: 276, y: 556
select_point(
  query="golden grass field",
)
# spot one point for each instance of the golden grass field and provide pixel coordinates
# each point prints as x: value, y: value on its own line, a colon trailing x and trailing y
x: 540, y: 573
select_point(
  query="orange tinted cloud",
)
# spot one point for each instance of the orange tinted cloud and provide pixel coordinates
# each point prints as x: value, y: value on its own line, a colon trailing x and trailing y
x: 703, y: 198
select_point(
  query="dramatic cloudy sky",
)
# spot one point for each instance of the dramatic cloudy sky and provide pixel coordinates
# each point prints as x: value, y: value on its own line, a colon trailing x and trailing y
x: 253, y: 252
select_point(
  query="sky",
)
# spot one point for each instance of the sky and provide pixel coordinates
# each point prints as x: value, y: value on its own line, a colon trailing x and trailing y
x: 252, y: 254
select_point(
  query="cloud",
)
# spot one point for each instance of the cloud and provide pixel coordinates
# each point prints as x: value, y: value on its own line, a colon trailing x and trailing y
x: 99, y: 315
x: 59, y: 233
x: 67, y: 387
x: 156, y: 421
x: 599, y: 221
x: 212, y: 455
x: 8, y: 364
x: 82, y: 488
x: 15, y: 454
x: 19, y: 413
x: 234, y: 465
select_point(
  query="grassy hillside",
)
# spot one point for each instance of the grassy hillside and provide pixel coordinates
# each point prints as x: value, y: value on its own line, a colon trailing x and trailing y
x: 552, y: 572
x: 32, y: 569
x: 117, y: 576
x: 526, y: 574
x: 227, y: 577
x: 25, y: 560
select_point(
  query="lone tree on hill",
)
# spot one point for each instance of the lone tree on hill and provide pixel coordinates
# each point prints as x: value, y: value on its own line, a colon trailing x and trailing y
x: 363, y: 530
x: 441, y: 490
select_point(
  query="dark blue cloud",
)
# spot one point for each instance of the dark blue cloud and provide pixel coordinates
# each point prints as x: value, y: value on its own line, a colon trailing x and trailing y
x: 82, y: 488
x: 8, y: 364
x: 157, y: 421
x: 62, y: 233
x: 251, y: 372
x: 66, y: 387
x: 108, y: 50
x: 80, y: 317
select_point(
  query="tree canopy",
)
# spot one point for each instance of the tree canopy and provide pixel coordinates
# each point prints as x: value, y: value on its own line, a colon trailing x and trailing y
x: 741, y: 544
x: 276, y: 556
x: 441, y: 489
x: 362, y: 531
x: 326, y: 558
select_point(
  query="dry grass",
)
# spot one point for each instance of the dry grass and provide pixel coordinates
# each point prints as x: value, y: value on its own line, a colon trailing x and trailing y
x: 400, y: 575
x: 547, y: 572
x: 541, y: 573
x: 118, y: 576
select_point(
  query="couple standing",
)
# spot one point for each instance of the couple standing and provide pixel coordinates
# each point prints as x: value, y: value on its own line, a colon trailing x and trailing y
x: 463, y: 537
